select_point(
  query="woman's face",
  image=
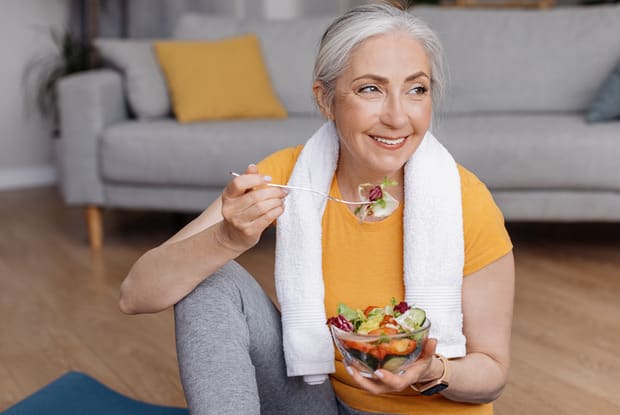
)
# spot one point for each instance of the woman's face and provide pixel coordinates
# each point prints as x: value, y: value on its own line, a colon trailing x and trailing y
x: 382, y: 105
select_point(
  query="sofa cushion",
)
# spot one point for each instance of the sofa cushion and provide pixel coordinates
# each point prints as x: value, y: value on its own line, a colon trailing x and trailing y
x: 215, y: 80
x: 199, y: 154
x: 289, y: 48
x: 606, y: 105
x: 507, y: 152
x: 535, y: 151
x: 525, y: 60
x: 144, y: 81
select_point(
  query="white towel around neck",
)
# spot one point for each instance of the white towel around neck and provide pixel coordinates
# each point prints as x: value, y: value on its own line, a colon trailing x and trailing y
x: 433, y: 252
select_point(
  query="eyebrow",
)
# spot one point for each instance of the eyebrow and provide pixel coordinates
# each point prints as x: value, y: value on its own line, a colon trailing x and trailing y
x: 385, y: 80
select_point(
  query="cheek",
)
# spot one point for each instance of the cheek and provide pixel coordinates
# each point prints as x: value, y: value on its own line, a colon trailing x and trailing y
x: 421, y: 114
x: 354, y: 107
x: 352, y: 115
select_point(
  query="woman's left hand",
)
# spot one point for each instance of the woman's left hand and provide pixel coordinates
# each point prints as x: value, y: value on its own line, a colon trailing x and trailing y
x: 388, y: 382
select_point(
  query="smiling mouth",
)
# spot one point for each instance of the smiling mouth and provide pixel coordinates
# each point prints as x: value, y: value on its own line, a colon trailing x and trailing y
x: 389, y: 141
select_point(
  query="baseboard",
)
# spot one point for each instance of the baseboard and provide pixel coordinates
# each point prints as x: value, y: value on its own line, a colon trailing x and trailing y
x: 24, y: 177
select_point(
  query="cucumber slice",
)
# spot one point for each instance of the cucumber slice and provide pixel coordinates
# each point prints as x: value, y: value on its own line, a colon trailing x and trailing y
x: 412, y: 319
x: 393, y: 363
x: 418, y: 317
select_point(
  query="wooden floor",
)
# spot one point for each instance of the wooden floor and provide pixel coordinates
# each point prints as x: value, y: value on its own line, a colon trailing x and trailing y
x: 58, y: 303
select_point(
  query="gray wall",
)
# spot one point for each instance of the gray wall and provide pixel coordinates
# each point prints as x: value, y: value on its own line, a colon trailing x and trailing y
x: 25, y: 142
x: 156, y: 18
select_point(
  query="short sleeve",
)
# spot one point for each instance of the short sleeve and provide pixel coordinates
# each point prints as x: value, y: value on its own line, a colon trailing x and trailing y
x: 279, y: 165
x: 486, y: 237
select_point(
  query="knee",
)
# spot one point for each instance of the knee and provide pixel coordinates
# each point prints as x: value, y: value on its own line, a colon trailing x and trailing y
x: 228, y: 285
x: 210, y: 311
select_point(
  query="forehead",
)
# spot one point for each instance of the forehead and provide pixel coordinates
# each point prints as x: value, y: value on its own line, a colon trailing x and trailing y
x: 389, y: 52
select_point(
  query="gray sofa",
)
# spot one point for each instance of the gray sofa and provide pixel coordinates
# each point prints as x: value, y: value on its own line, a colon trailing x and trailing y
x: 520, y: 85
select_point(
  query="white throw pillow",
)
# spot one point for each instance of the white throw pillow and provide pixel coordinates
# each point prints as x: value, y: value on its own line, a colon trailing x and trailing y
x: 145, y: 83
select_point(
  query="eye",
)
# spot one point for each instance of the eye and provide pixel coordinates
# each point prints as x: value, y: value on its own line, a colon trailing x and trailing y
x: 418, y: 90
x: 368, y: 88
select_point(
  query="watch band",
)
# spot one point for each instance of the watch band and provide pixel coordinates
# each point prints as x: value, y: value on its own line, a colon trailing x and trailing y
x: 437, y: 385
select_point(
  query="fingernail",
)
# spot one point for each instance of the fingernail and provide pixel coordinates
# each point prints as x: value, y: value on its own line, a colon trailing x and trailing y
x: 349, y: 370
x: 267, y: 178
x: 379, y: 374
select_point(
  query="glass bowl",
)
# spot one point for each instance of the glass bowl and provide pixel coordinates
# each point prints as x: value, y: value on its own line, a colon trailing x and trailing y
x: 389, y: 352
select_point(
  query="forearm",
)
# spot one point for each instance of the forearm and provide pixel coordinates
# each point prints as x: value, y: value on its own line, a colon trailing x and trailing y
x: 476, y: 378
x: 166, y: 274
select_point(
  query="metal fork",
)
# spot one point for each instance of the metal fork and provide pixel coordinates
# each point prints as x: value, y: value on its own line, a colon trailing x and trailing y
x: 334, y: 199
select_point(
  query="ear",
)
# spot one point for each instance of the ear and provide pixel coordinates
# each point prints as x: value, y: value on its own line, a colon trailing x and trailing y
x: 320, y: 96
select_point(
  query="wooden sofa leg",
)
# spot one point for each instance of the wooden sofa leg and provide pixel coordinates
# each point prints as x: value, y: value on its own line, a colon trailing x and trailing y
x: 94, y: 222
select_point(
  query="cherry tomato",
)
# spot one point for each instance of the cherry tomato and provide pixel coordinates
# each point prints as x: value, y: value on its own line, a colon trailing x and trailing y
x: 378, y: 353
x: 387, y: 319
x: 359, y: 346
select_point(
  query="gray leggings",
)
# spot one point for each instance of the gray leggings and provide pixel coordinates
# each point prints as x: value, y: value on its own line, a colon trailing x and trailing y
x: 229, y: 346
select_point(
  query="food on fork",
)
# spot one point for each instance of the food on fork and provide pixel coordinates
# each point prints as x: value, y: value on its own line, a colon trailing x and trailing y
x: 381, y: 203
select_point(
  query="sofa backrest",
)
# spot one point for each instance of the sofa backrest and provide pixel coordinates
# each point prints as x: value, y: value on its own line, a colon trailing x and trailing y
x: 525, y: 60
x: 289, y: 48
x: 497, y: 60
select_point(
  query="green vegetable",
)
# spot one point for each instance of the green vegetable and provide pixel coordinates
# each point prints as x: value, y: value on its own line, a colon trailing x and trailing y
x: 412, y: 319
x: 387, y: 182
x: 383, y: 339
x: 394, y: 362
x: 347, y: 312
x: 373, y: 322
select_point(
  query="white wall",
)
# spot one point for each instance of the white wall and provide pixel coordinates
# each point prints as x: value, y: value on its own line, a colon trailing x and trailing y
x: 25, y: 142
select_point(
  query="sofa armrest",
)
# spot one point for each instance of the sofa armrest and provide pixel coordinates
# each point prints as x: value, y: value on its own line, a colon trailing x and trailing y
x: 88, y: 102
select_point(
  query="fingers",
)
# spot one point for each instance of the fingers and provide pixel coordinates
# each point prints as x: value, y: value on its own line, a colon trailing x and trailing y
x: 364, y: 382
x: 374, y: 385
x: 260, y: 206
x: 251, y: 169
x: 245, y: 182
x: 249, y: 207
x: 384, y: 381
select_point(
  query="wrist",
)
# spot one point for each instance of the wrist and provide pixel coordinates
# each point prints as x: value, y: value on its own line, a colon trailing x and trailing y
x: 224, y: 241
x: 435, y: 385
x: 435, y: 370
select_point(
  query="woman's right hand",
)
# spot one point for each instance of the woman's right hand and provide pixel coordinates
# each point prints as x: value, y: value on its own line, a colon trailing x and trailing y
x: 249, y: 206
x: 228, y: 227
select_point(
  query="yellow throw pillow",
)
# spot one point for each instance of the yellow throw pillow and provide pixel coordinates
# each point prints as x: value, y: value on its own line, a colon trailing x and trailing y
x: 216, y: 80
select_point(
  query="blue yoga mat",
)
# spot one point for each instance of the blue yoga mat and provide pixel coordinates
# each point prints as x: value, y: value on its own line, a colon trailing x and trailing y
x: 75, y: 393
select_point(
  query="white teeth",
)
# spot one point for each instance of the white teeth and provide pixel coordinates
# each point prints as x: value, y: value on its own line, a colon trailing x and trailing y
x: 387, y: 141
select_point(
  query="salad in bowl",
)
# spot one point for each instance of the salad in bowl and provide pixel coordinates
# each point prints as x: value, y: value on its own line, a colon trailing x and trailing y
x: 389, y: 337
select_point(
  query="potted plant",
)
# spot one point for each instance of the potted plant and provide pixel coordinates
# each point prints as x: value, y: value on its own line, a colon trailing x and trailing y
x: 70, y: 55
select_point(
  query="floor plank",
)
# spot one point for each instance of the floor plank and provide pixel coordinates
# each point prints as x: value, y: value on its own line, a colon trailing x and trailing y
x: 60, y: 306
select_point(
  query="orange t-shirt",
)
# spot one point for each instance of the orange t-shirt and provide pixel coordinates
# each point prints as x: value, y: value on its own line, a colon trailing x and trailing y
x: 363, y: 265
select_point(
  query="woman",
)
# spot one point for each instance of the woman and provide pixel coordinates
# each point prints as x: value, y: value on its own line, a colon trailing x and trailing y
x: 378, y: 75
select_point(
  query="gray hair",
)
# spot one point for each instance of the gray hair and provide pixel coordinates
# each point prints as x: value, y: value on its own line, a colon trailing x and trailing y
x: 363, y: 22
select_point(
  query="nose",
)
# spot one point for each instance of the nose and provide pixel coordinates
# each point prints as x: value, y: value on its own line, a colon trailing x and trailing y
x: 393, y: 112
